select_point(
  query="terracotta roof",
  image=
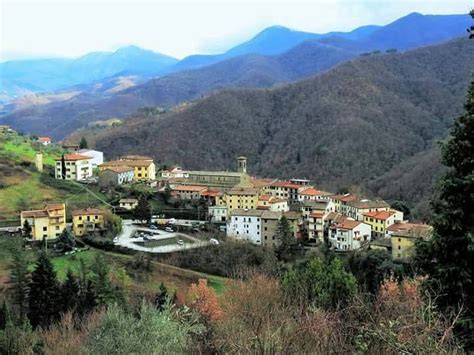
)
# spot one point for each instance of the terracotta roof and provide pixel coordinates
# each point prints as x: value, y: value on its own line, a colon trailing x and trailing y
x: 261, y: 182
x: 316, y: 214
x: 346, y: 224
x: 88, y: 211
x: 211, y: 193
x: 44, y: 139
x: 189, y: 188
x: 243, y: 191
x: 404, y: 227
x: 311, y: 191
x: 286, y: 184
x: 380, y: 214
x: 263, y: 207
x: 74, y: 157
x: 130, y: 163
x: 119, y: 169
x: 34, y: 214
x: 345, y: 197
x: 55, y: 206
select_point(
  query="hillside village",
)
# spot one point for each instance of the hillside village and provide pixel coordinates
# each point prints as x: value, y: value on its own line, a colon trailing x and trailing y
x: 242, y: 206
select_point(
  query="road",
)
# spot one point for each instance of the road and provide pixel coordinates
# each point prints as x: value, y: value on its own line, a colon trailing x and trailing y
x: 128, y: 229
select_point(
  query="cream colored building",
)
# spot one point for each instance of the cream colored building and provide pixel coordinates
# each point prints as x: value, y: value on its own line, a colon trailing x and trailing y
x: 128, y: 203
x: 47, y: 223
x: 87, y: 220
x: 271, y: 203
x: 143, y: 167
x: 78, y: 167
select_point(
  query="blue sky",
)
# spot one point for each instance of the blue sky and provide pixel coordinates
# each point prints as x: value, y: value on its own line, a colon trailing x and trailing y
x: 39, y: 28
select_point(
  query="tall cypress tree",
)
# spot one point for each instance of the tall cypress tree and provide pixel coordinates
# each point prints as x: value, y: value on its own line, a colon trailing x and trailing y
x: 288, y: 248
x: 448, y: 258
x: 20, y: 279
x: 63, y: 167
x: 45, y: 301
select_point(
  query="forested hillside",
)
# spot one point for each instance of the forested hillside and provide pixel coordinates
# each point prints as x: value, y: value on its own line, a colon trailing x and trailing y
x: 356, y: 124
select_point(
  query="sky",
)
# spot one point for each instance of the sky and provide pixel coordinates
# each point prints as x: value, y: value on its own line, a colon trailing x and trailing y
x: 70, y: 28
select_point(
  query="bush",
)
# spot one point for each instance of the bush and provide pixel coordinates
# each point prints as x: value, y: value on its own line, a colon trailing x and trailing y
x: 99, y: 242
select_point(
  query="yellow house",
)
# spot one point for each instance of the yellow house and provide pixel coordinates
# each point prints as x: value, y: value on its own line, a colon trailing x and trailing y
x: 87, y: 220
x: 242, y: 198
x: 380, y: 220
x: 47, y: 223
x: 143, y: 167
x: 403, y: 237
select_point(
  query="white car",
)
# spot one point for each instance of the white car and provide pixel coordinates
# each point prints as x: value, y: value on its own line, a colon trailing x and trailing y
x: 213, y: 241
x: 116, y: 239
x: 168, y: 229
x: 172, y: 221
x: 180, y: 242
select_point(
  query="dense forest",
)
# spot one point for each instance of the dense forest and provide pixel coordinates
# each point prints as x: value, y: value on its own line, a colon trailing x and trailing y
x: 372, y: 122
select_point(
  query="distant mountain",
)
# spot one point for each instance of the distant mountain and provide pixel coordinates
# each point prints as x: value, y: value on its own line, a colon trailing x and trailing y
x: 306, y: 57
x: 354, y: 124
x: 271, y: 41
x: 31, y: 76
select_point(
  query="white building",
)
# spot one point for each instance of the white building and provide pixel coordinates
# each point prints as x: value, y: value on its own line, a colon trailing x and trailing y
x: 245, y: 225
x: 97, y: 157
x: 357, y: 209
x: 78, y: 167
x: 218, y: 214
x: 128, y: 203
x: 349, y: 235
x: 271, y: 203
x: 116, y: 175
x: 174, y: 173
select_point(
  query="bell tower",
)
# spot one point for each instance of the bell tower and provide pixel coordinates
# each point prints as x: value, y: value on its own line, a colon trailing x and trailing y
x: 242, y: 163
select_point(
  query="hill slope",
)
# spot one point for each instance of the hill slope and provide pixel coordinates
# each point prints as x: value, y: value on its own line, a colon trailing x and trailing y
x: 348, y: 126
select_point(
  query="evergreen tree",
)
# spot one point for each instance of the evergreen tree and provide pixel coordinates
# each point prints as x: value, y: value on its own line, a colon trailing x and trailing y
x: 70, y: 292
x: 448, y: 257
x: 288, y: 248
x: 142, y: 211
x: 45, y: 303
x: 66, y: 241
x: 87, y: 300
x: 26, y: 230
x: 63, y: 167
x: 161, y: 297
x: 20, y: 279
x: 104, y: 292
x: 83, y: 143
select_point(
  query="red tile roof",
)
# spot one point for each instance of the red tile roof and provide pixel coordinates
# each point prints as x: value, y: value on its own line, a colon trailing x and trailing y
x: 44, y: 139
x: 402, y: 227
x: 189, y: 188
x: 286, y: 184
x: 346, y: 197
x: 119, y: 169
x: 211, y: 193
x: 74, y: 157
x: 379, y: 214
x: 88, y: 211
x: 346, y: 224
x: 311, y: 191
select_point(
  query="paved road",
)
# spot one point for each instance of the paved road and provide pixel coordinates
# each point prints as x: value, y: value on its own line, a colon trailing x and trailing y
x: 128, y: 229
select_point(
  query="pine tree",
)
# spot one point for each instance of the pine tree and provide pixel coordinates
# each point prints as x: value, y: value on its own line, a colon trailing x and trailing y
x: 104, y: 292
x: 83, y: 143
x: 448, y: 257
x: 26, y: 230
x: 142, y: 211
x: 63, y: 167
x: 20, y: 279
x: 45, y: 303
x: 70, y: 292
x: 288, y: 248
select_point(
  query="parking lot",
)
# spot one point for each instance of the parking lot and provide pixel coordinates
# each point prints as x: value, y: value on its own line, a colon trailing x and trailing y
x: 150, y: 240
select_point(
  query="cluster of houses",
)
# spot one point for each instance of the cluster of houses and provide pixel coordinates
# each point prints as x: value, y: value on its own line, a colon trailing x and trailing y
x: 246, y: 207
x: 250, y: 209
x: 50, y: 222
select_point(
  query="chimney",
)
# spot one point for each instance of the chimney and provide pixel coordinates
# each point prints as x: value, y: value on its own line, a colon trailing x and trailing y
x: 39, y: 162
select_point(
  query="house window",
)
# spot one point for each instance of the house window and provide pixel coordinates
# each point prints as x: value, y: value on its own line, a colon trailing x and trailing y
x: 45, y: 229
x: 399, y: 247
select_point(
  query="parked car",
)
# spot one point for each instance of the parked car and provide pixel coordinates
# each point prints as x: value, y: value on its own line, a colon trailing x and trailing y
x: 213, y: 241
x: 169, y: 229
x: 146, y: 239
x: 116, y: 239
x: 172, y: 221
x: 152, y: 226
x: 180, y: 242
